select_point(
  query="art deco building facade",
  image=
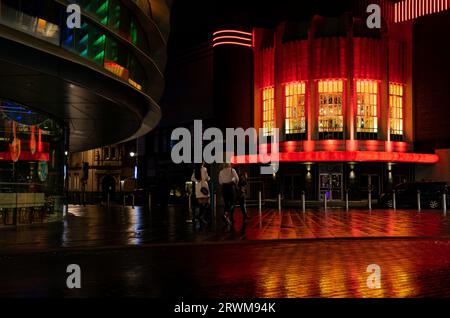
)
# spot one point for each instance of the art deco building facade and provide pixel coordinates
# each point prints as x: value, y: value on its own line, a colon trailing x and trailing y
x: 342, y: 96
x: 358, y: 109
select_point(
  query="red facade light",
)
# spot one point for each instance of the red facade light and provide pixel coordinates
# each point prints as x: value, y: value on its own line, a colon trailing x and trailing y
x: 344, y: 156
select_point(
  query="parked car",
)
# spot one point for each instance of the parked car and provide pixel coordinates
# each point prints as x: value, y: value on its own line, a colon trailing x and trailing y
x: 431, y: 194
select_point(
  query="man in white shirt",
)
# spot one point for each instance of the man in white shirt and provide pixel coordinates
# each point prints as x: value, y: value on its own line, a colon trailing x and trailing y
x: 228, y: 179
x: 228, y: 175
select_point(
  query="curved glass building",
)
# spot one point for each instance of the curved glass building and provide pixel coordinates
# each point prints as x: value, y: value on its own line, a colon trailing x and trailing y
x: 65, y: 89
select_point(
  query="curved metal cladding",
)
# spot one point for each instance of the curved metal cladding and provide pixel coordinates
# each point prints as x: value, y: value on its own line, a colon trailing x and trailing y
x: 102, y: 80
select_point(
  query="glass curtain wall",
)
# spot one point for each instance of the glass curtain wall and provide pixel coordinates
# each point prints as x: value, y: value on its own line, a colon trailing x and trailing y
x: 32, y: 166
x: 42, y: 19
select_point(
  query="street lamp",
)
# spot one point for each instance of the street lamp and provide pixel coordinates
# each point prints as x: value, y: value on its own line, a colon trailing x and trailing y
x: 134, y: 155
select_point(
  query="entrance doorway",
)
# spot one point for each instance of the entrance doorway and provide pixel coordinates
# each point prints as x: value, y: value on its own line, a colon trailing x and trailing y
x: 108, y: 186
x: 292, y: 187
x: 370, y: 182
x: 330, y: 185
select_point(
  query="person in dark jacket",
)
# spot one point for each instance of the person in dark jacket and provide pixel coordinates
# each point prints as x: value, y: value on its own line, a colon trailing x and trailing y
x: 242, y: 193
x: 228, y: 179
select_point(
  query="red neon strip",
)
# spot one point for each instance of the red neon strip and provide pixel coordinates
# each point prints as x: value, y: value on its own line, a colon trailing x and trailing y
x: 416, y: 8
x: 406, y: 10
x: 231, y: 31
x: 403, y: 11
x: 395, y: 12
x: 26, y: 156
x: 410, y: 9
x: 341, y: 156
x: 232, y: 37
x: 231, y: 43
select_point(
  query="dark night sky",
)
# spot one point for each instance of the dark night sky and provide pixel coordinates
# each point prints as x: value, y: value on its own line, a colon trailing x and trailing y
x: 193, y: 21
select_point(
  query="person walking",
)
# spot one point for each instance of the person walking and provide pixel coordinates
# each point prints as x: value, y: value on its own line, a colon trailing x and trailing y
x: 242, y: 193
x: 202, y: 194
x: 228, y: 179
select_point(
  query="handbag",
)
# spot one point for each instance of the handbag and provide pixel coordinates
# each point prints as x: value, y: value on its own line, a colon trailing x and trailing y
x: 204, y: 190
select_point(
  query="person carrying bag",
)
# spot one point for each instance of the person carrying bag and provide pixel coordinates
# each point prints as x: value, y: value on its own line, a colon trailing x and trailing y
x: 202, y: 193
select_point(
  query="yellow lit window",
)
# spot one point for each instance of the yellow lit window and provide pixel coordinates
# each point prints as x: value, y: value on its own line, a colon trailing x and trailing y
x: 295, y: 108
x: 367, y: 108
x: 331, y: 122
x: 268, y: 111
x: 396, y: 108
x: 136, y: 85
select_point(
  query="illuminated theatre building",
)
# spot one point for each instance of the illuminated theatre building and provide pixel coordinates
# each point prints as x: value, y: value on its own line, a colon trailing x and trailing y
x: 341, y: 95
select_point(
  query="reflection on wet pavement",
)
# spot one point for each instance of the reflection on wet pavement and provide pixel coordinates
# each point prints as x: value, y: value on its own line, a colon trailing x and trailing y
x: 95, y: 226
x: 303, y: 268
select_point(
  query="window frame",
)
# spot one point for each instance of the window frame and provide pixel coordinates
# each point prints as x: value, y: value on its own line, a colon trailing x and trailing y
x: 393, y: 133
x: 299, y: 93
x: 338, y: 88
x: 268, y: 130
x: 371, y: 91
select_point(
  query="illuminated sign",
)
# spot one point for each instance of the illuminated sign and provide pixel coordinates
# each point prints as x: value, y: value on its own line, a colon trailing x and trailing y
x: 233, y: 37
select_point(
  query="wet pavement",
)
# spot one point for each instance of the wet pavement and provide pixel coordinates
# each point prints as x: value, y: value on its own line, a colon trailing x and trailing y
x: 94, y: 226
x: 305, y: 268
x: 126, y: 252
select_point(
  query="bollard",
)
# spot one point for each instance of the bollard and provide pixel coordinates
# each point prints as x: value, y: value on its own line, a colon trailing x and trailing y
x: 150, y: 202
x: 418, y: 201
x: 444, y: 202
x: 259, y: 202
x: 132, y: 196
x: 108, y: 203
x: 190, y: 203
x: 215, y: 207
x: 303, y: 202
x: 124, y: 198
x: 394, y: 201
x: 325, y: 200
x: 370, y: 199
x: 279, y: 203
x: 260, y: 208
x: 190, y: 217
x: 346, y: 200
